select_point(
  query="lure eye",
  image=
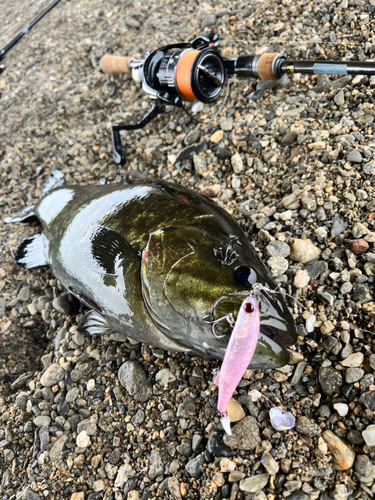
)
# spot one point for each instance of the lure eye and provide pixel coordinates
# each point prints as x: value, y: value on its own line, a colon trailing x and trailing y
x: 249, y: 308
x: 245, y: 276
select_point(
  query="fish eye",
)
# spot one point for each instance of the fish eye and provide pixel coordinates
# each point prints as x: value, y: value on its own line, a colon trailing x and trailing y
x: 245, y: 276
x: 249, y: 308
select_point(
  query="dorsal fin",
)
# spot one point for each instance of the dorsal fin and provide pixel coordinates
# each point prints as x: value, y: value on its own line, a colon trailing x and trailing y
x: 55, y: 180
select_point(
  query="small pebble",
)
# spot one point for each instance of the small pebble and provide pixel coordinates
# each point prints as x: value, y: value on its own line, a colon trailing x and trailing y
x: 341, y: 408
x: 235, y: 411
x: 301, y: 278
x: 358, y: 247
x: 303, y: 251
x: 354, y: 360
x: 217, y: 136
x: 369, y: 435
x: 83, y: 440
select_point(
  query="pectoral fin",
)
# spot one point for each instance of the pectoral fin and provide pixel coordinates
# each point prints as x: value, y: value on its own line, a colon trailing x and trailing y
x: 108, y: 250
x: 33, y: 252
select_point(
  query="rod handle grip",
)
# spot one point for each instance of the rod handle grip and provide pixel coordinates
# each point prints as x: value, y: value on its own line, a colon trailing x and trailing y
x: 115, y: 65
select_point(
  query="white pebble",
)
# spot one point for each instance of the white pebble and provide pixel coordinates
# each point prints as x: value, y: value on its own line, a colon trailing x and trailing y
x: 341, y: 408
x: 124, y: 472
x: 309, y: 324
x: 255, y: 395
x: 301, y: 279
x: 83, y: 440
x: 90, y: 384
x: 197, y: 107
x: 353, y: 360
x: 369, y: 435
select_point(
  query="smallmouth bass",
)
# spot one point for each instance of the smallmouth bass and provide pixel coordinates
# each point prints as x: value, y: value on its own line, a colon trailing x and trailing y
x: 158, y: 262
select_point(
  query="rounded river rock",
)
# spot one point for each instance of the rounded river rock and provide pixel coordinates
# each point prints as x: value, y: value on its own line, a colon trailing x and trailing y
x: 133, y: 378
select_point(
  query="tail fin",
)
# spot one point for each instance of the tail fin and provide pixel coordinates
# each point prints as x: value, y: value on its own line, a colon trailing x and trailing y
x: 33, y: 252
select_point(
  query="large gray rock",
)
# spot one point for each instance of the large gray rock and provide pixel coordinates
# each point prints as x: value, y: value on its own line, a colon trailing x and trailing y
x: 133, y: 378
x: 245, y: 435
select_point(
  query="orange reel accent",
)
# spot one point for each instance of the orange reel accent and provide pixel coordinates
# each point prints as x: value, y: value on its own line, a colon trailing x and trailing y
x: 183, y: 74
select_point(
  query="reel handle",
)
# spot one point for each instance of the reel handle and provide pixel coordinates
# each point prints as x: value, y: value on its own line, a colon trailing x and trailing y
x: 115, y: 65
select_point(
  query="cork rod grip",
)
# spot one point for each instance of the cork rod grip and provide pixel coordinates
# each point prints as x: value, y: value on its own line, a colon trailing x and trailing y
x: 265, y: 66
x: 114, y: 65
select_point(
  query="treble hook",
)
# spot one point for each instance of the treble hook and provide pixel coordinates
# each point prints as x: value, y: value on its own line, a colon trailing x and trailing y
x: 228, y: 317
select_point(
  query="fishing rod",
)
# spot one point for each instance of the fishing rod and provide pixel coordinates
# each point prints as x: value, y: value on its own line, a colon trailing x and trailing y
x: 196, y: 71
x: 23, y: 32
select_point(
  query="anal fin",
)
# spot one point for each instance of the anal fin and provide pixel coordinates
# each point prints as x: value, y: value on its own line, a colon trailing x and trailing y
x: 33, y: 252
x: 93, y: 323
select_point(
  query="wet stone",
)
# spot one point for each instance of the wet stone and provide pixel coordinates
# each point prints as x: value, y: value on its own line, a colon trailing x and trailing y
x: 338, y: 225
x: 133, y: 378
x: 368, y: 399
x: 245, y: 435
x: 340, y: 492
x: 192, y: 137
x: 330, y: 380
x: 76, y: 375
x: 156, y: 467
x: 354, y: 157
x: 354, y: 437
x: 343, y: 455
x: 57, y: 448
x: 289, y: 137
x: 237, y: 164
x: 62, y: 304
x: 277, y: 249
x: 63, y: 408
x: 369, y: 435
x: 353, y: 375
x: 307, y: 427
x: 215, y: 443
x: 315, y: 269
x: 298, y: 495
x: 195, y: 466
x: 254, y: 483
x: 361, y: 292
x: 28, y: 494
x: 51, y: 375
x: 196, y: 441
x: 270, y: 464
x: 277, y: 265
x: 72, y: 395
x: 222, y: 154
x: 43, y: 438
x: 138, y: 418
x: 364, y: 466
x: 358, y: 247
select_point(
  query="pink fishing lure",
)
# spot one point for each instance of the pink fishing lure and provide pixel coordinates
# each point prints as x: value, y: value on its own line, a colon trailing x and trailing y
x: 239, y: 352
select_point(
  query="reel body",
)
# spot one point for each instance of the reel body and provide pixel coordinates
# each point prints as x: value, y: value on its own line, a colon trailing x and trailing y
x: 172, y: 74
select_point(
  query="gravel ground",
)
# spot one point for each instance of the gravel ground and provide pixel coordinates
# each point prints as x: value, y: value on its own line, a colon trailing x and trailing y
x: 87, y: 418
